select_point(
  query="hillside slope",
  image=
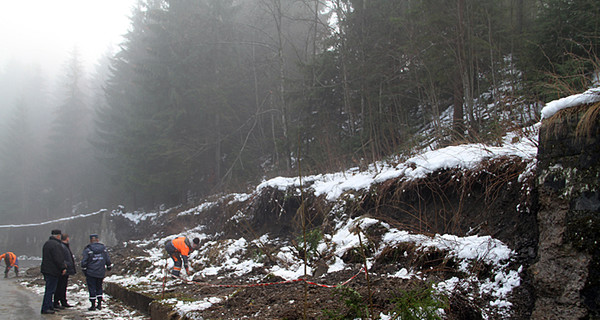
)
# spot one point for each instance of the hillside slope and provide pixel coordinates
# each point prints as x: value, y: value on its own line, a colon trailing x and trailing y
x: 451, y: 233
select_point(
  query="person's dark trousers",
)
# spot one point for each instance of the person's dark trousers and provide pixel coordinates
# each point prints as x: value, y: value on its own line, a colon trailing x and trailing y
x: 94, y: 287
x: 60, y: 296
x: 176, y: 256
x: 51, y: 283
x: 177, y: 263
x: 8, y: 269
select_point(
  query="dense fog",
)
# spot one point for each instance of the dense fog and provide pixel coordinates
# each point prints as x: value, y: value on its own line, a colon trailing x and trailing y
x: 205, y: 96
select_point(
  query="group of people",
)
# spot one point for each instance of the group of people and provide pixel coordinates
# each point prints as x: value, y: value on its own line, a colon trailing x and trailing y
x: 58, y: 263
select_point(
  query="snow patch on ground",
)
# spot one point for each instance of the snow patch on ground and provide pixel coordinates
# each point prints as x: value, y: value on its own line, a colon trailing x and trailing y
x: 78, y: 296
x: 188, y: 308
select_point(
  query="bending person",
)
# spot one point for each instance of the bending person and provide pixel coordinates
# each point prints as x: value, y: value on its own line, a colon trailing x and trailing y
x: 11, y: 260
x: 179, y: 249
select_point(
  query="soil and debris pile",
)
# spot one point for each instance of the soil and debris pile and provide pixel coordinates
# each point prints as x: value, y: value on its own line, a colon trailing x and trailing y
x: 448, y: 234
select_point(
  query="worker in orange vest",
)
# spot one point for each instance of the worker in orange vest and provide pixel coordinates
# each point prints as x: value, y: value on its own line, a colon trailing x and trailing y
x: 179, y: 249
x: 11, y: 261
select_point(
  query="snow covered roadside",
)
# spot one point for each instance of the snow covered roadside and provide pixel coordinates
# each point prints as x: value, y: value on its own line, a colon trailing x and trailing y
x: 234, y: 263
x: 77, y: 295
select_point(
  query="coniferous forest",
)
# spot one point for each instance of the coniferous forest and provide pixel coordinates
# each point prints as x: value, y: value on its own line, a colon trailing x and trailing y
x: 209, y: 96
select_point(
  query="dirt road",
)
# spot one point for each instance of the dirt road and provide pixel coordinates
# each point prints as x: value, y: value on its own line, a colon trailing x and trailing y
x: 17, y: 302
x: 21, y: 301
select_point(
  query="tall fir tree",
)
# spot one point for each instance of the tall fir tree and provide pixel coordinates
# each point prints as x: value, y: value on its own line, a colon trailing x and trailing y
x: 19, y: 166
x: 22, y: 136
x: 564, y: 49
x: 69, y: 151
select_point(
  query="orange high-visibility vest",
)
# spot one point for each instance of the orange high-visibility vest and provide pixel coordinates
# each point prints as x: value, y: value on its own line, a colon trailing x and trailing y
x: 10, y: 257
x: 181, y: 246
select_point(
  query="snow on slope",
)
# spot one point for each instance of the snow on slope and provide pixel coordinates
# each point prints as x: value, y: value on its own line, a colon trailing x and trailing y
x: 465, y: 250
x: 465, y: 157
x: 590, y: 96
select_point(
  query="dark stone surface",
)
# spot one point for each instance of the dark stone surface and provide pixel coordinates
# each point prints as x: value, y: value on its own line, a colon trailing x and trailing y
x: 587, y: 201
x: 567, y: 271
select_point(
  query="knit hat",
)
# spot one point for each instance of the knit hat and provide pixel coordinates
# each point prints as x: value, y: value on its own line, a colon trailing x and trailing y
x: 55, y: 232
x: 93, y: 235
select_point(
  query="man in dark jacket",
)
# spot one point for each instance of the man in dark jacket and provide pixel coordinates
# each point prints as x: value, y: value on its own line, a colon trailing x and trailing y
x: 53, y: 266
x: 94, y: 264
x: 60, y: 296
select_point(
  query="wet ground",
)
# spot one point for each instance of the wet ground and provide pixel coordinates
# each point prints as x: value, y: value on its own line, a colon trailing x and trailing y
x: 21, y: 298
x: 20, y: 302
x: 17, y: 302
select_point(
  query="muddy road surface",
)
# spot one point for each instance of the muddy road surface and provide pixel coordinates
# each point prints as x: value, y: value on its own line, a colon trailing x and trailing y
x: 21, y: 298
x: 17, y: 302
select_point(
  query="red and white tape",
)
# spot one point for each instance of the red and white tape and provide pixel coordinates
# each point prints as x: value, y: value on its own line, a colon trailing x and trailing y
x: 271, y: 283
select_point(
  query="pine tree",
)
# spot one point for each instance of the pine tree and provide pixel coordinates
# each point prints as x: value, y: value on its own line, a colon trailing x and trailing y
x: 174, y: 96
x: 565, y: 48
x: 69, y: 151
x: 24, y: 131
x: 18, y: 165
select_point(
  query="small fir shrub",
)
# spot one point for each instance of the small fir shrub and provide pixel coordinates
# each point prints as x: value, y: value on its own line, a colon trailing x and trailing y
x: 421, y: 303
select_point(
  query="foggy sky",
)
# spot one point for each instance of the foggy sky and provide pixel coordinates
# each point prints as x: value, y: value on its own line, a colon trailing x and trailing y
x: 43, y: 33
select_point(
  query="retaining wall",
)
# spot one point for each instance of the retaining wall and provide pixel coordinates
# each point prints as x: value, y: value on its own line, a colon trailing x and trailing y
x: 566, y: 274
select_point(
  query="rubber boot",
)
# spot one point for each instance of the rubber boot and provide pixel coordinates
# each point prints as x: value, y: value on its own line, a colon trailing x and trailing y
x: 93, y: 307
x: 99, y: 305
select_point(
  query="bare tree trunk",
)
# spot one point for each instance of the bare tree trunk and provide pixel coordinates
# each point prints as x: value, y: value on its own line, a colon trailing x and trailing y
x: 314, y: 42
x: 458, y: 127
x: 519, y: 17
x: 273, y: 132
x: 278, y: 16
x: 344, y: 65
x: 218, y: 148
x: 459, y: 83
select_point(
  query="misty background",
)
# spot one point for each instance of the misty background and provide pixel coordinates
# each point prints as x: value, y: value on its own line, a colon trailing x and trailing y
x: 206, y: 96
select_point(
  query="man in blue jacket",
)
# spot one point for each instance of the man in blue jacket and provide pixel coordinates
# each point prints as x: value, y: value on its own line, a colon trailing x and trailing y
x: 94, y: 264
